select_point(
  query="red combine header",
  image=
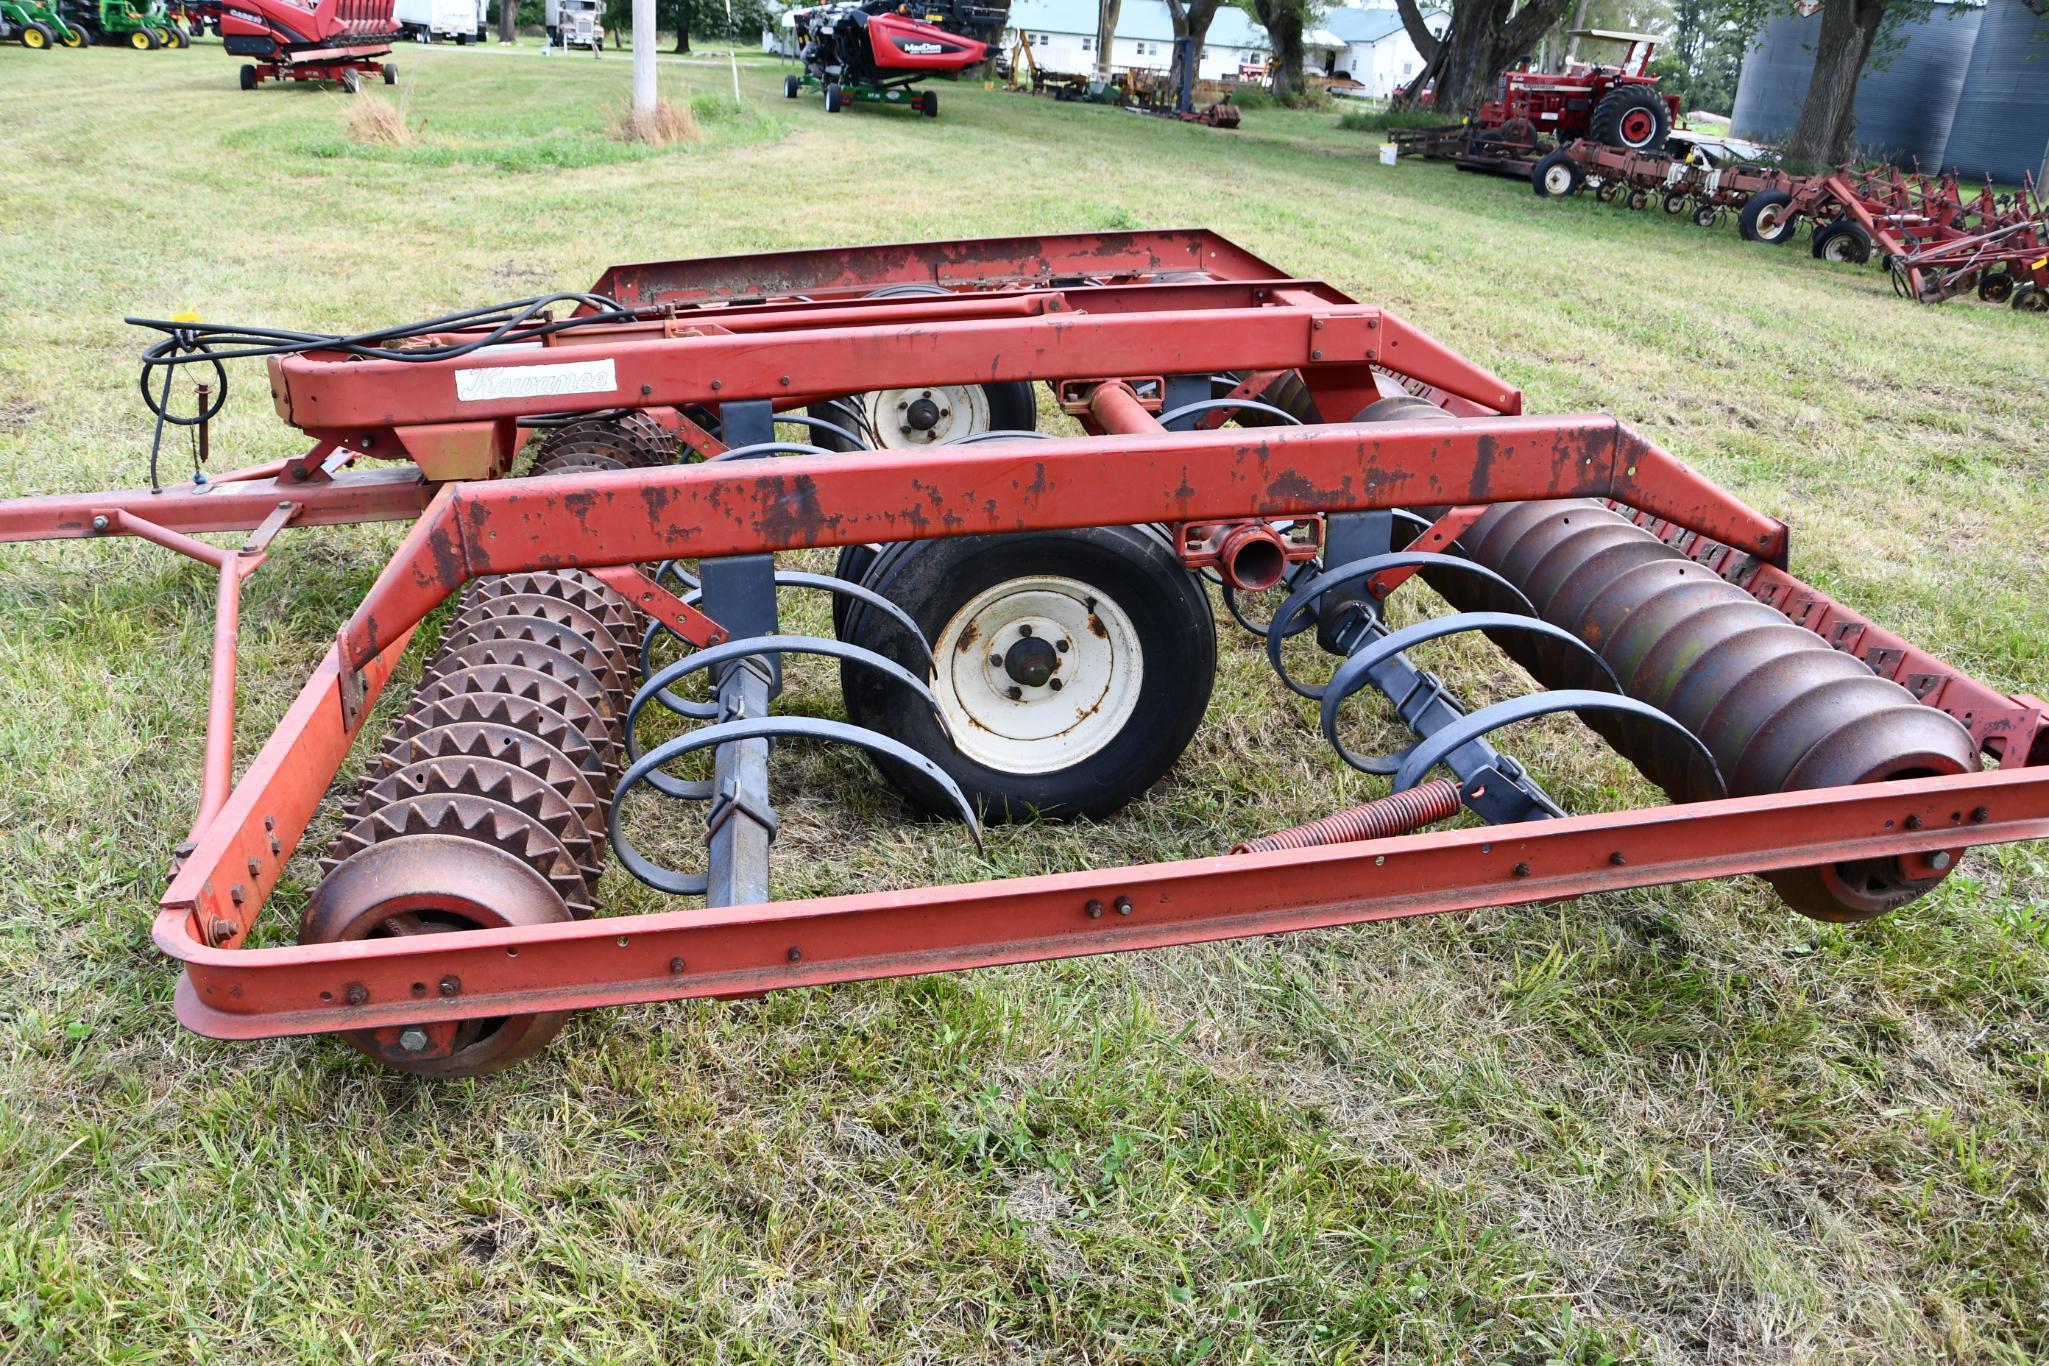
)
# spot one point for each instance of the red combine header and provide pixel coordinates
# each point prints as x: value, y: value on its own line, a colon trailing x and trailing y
x: 328, y: 40
x: 1026, y: 624
x: 876, y: 51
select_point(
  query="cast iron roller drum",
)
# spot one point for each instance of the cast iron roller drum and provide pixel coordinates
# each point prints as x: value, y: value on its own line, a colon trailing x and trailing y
x: 1071, y: 668
x: 437, y: 884
x: 1777, y: 708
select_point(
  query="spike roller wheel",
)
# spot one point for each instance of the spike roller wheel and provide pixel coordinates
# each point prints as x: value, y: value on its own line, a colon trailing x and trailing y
x: 631, y: 440
x: 483, y: 740
x: 437, y: 884
x: 597, y: 729
x: 513, y: 713
x: 543, y: 631
x: 597, y: 640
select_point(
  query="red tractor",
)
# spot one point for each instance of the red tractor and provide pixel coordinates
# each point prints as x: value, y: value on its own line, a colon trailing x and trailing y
x: 1531, y: 112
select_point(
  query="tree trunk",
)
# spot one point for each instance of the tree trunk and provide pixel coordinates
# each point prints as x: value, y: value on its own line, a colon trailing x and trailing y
x: 506, y: 12
x: 1191, y: 21
x: 1828, y: 118
x: 1282, y: 21
x: 1579, y: 21
x: 1106, y: 34
x: 684, y: 14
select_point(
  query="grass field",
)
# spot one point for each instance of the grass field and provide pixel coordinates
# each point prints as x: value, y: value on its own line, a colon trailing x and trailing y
x: 1677, y: 1124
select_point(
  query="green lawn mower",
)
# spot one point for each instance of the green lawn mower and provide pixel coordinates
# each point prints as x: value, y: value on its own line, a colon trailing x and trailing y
x: 38, y: 25
x: 122, y: 23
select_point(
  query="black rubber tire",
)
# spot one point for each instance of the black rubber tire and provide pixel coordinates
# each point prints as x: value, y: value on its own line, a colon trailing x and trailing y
x: 1545, y: 177
x: 1637, y: 200
x: 462, y: 40
x: 1704, y: 215
x: 1606, y: 191
x: 248, y: 78
x: 1614, y: 111
x: 1844, y: 242
x: 1995, y: 286
x: 1674, y: 202
x: 1133, y: 566
x: 835, y: 99
x: 351, y: 82
x: 929, y: 103
x: 38, y: 36
x: 1760, y: 205
x: 391, y: 73
x: 791, y: 85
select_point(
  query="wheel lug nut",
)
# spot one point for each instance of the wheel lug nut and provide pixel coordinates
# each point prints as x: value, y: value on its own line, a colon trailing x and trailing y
x: 1024, y: 630
x: 1014, y: 693
x: 995, y: 661
x: 1054, y: 684
x: 1061, y: 646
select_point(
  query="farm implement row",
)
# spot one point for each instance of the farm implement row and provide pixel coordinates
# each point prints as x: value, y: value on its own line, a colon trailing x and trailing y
x: 600, y: 482
x: 1933, y: 239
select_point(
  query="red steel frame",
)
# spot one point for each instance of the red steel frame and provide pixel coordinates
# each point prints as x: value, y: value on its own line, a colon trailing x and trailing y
x: 1024, y: 313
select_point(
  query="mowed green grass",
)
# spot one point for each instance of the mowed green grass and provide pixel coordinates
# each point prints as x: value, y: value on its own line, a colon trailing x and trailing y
x: 1677, y: 1124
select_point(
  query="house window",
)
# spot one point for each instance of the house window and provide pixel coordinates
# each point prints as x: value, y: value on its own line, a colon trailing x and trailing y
x: 1041, y: 39
x: 1408, y: 68
x: 1088, y: 45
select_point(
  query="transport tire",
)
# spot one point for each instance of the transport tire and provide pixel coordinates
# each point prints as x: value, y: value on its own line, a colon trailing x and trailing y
x: 1844, y: 242
x: 248, y: 78
x: 1556, y: 176
x: 1631, y: 116
x: 351, y: 82
x: 835, y: 99
x: 791, y: 85
x: 1072, y: 666
x: 1767, y: 217
x: 391, y: 73
x: 929, y: 106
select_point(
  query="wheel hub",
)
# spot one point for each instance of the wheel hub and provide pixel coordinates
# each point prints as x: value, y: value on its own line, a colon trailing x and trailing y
x: 1038, y: 674
x: 926, y: 416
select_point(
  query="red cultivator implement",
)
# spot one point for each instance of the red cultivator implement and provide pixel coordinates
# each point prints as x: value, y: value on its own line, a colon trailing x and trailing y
x: 1021, y: 622
x: 329, y: 40
x: 1935, y: 242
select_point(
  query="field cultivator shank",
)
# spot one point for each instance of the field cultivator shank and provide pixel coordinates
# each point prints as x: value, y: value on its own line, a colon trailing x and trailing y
x: 1022, y: 622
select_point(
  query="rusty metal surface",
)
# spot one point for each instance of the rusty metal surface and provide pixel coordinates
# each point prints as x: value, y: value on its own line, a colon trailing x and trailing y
x: 1776, y: 706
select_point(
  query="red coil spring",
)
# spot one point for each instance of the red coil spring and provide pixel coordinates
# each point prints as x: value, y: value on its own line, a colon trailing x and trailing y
x: 1395, y: 814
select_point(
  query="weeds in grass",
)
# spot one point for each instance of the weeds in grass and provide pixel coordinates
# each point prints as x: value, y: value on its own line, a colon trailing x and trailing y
x: 1379, y: 120
x: 377, y: 123
x: 661, y: 126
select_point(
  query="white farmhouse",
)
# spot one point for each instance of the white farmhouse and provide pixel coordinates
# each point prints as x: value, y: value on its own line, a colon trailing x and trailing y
x: 1369, y: 45
x: 1376, y: 50
x: 1062, y: 36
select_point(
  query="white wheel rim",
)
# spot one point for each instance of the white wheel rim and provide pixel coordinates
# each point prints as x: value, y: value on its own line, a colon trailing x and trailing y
x: 1086, y: 700
x: 903, y: 419
x: 1558, y: 179
x: 1768, y: 219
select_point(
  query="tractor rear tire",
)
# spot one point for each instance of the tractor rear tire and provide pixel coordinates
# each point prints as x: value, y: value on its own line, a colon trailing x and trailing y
x: 1557, y: 175
x: 1766, y: 218
x: 929, y: 105
x: 835, y: 99
x: 791, y: 85
x: 1844, y: 242
x: 1080, y: 732
x: 1631, y: 116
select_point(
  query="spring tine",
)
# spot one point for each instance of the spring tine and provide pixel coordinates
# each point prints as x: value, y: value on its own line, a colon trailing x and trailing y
x: 1435, y: 748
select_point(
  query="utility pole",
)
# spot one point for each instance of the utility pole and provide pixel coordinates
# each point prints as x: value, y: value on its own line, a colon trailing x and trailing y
x: 644, y: 58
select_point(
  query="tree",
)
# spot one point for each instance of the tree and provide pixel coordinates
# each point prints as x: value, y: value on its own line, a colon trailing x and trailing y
x: 1283, y: 21
x: 1829, y: 117
x: 1107, y: 14
x: 1191, y: 19
x: 681, y: 13
x: 1485, y: 36
x: 506, y: 16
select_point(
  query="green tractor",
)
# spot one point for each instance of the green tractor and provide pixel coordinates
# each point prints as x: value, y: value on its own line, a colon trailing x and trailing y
x: 123, y: 23
x: 35, y: 24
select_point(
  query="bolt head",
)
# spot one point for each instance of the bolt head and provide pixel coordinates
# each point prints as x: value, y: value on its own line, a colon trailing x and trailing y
x: 413, y: 1040
x: 451, y: 985
x: 100, y: 523
x: 1940, y: 861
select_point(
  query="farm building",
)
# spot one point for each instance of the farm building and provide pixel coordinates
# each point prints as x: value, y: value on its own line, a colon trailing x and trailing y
x: 1368, y: 44
x: 1967, y: 88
